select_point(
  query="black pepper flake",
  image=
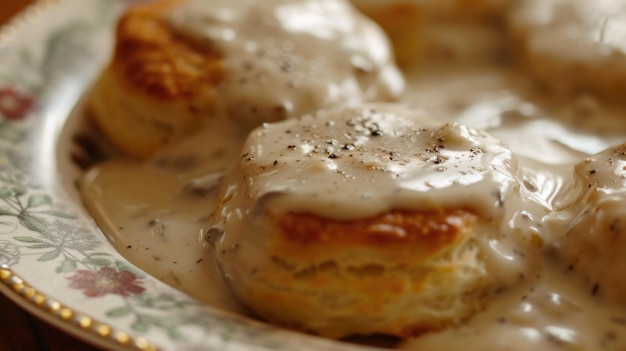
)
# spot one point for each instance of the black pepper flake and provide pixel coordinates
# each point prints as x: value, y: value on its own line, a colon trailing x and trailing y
x: 439, y: 160
x: 595, y: 289
x: 613, y: 227
x: 333, y: 155
x: 275, y: 162
x: 129, y: 247
x: 291, y: 147
x: 377, y: 132
x: 593, y: 171
x: 286, y: 66
x: 199, y: 260
x: 499, y: 290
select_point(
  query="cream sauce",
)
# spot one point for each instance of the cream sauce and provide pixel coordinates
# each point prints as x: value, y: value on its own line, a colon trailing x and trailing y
x: 548, y: 313
x: 285, y: 58
x: 157, y: 213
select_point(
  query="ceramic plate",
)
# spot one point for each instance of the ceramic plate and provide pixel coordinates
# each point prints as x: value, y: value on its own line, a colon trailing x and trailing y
x: 53, y: 259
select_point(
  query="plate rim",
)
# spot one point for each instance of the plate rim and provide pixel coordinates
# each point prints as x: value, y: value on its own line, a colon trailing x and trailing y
x: 18, y: 289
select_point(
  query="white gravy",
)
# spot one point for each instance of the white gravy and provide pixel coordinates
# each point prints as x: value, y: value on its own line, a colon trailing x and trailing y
x: 155, y: 213
x: 285, y: 58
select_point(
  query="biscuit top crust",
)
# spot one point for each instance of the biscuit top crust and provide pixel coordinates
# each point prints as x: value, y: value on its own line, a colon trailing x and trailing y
x: 357, y: 162
x: 158, y: 62
x: 420, y: 234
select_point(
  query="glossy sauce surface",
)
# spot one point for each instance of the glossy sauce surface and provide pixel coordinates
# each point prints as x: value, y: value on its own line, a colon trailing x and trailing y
x: 156, y: 213
x: 285, y: 58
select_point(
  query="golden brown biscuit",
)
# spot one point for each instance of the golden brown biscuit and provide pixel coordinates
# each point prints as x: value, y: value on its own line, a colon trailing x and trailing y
x: 158, y: 86
x: 364, y: 220
x: 180, y: 65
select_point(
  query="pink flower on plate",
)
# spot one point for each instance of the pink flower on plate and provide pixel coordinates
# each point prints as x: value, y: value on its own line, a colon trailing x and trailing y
x: 14, y: 105
x: 106, y: 280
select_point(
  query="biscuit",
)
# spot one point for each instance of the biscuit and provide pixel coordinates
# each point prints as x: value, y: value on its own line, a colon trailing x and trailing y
x: 180, y: 65
x: 364, y: 220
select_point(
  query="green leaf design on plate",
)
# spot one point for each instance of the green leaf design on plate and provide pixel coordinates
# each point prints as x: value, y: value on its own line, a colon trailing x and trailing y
x: 59, y: 214
x: 29, y: 239
x: 49, y: 256
x: 100, y: 254
x: 140, y: 326
x: 25, y: 56
x: 40, y: 246
x: 33, y: 223
x: 68, y: 265
x: 174, y: 334
x: 18, y: 191
x: 5, y: 193
x: 119, y: 312
x: 5, y: 212
x: 39, y: 200
x: 99, y: 262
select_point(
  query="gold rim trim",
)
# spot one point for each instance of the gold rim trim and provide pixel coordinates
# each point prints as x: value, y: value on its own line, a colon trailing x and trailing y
x: 70, y: 317
x: 25, y: 17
